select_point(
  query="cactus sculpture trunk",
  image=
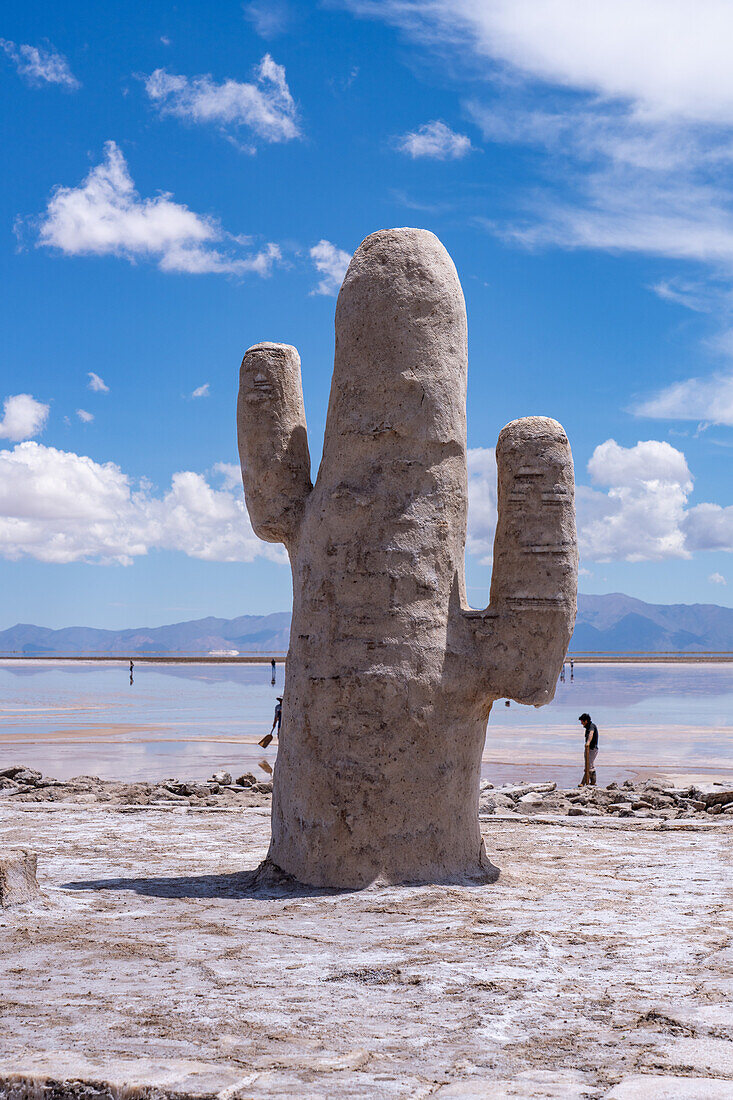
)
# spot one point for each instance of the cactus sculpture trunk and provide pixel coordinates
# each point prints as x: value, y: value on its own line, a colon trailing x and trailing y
x: 390, y: 677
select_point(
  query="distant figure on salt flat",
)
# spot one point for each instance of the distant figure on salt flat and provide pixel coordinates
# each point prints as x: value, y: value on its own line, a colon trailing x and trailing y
x: 562, y: 673
x: 131, y: 668
x: 590, y: 750
x: 274, y: 669
x: 275, y: 722
x: 572, y: 669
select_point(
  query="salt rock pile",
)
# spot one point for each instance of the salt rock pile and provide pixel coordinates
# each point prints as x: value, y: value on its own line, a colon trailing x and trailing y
x: 28, y: 785
x: 650, y: 799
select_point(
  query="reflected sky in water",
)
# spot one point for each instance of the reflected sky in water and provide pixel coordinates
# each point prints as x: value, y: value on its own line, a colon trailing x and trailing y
x: 188, y: 720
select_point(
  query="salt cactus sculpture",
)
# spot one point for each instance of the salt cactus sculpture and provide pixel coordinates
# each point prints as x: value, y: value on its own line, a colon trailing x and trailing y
x: 390, y: 676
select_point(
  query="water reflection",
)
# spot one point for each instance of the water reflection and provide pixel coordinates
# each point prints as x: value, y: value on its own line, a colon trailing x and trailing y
x: 185, y: 719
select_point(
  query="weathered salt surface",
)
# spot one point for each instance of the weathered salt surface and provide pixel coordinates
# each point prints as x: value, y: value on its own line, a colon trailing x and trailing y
x: 601, y: 960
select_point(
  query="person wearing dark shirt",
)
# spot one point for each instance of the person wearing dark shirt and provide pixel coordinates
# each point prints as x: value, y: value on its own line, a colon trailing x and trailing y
x: 590, y: 749
x: 275, y: 722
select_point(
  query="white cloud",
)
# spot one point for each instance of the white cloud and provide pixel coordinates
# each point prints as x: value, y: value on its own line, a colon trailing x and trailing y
x: 640, y: 515
x: 669, y: 57
x: 97, y: 384
x: 636, y: 509
x: 85, y: 416
x: 40, y: 64
x: 331, y: 262
x: 106, y: 216
x: 709, y: 527
x: 436, y: 140
x: 269, y: 18
x: 23, y: 417
x: 631, y: 103
x: 57, y: 506
x: 230, y: 474
x: 717, y: 578
x: 481, y: 503
x: 266, y: 107
x: 709, y: 399
x: 201, y: 391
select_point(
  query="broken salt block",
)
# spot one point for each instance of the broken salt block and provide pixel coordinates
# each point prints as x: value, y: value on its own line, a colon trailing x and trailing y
x: 531, y: 799
x: 17, y: 877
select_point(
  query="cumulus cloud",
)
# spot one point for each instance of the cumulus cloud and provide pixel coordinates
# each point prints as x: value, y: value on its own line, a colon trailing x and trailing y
x: 106, y: 216
x: 57, y: 506
x: 266, y: 107
x: 85, y: 416
x: 636, y: 508
x: 331, y: 262
x: 23, y: 417
x: 436, y: 140
x: 639, y: 517
x: 201, y: 391
x: 717, y: 578
x: 97, y: 384
x: 709, y: 527
x: 40, y: 64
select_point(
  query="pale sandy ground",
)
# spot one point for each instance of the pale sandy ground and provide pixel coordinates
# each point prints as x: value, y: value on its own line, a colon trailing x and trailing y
x: 599, y: 965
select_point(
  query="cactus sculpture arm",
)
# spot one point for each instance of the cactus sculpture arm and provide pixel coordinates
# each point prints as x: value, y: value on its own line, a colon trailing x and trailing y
x: 390, y: 676
x: 273, y: 441
x: 522, y: 637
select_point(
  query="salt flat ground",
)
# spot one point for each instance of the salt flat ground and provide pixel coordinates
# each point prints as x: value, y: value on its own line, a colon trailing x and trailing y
x: 600, y: 964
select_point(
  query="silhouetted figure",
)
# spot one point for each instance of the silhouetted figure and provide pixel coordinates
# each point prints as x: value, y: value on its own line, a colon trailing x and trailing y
x: 562, y: 674
x: 572, y: 669
x: 274, y: 669
x: 131, y: 668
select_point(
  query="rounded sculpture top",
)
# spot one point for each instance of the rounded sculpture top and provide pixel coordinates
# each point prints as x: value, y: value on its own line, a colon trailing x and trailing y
x: 400, y: 268
x: 530, y: 427
x: 401, y: 341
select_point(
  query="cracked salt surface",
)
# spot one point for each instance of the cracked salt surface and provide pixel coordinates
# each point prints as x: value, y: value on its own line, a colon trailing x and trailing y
x: 599, y: 965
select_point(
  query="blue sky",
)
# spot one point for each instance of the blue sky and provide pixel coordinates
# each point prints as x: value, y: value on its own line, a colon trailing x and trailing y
x: 185, y: 180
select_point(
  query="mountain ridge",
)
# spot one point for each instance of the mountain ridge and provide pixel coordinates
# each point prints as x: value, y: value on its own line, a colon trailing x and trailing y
x: 609, y: 623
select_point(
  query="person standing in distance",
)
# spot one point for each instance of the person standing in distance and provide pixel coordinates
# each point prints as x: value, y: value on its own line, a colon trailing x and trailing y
x: 591, y: 750
x: 275, y: 722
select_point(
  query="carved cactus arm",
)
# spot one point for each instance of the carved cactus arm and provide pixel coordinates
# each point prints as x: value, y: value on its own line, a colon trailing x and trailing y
x: 525, y: 631
x: 273, y: 441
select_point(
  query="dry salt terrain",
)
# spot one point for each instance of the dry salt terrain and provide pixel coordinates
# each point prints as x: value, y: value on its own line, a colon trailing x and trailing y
x: 154, y: 964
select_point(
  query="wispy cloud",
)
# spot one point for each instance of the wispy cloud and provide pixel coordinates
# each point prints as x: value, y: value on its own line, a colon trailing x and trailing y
x: 201, y: 391
x: 717, y: 578
x: 97, y: 384
x: 265, y: 107
x: 84, y: 416
x: 23, y: 417
x: 40, y: 64
x: 269, y: 18
x: 330, y: 262
x: 435, y: 140
x: 630, y: 104
x: 702, y: 399
x: 106, y: 216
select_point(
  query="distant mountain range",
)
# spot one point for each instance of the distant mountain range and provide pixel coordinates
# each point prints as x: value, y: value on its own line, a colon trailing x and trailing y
x: 612, y: 623
x: 202, y: 637
x: 620, y: 624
